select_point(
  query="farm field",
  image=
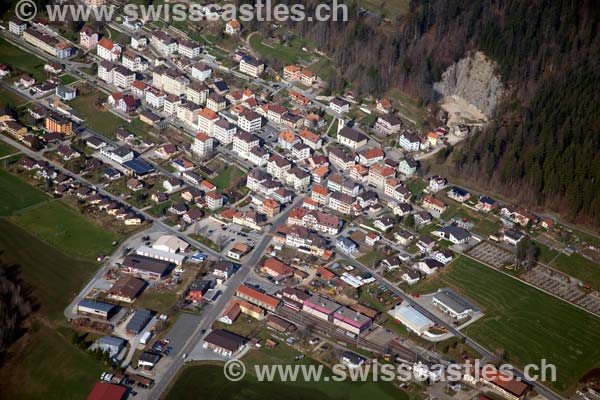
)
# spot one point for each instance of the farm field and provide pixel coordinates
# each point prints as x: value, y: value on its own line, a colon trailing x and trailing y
x: 574, y: 265
x: 20, y: 61
x: 227, y: 177
x: 17, y: 194
x: 62, y: 227
x: 101, y: 121
x: 578, y: 267
x: 526, y: 323
x: 211, y: 379
x: 286, y: 54
x: 31, y: 367
x: 6, y: 149
x: 11, y: 99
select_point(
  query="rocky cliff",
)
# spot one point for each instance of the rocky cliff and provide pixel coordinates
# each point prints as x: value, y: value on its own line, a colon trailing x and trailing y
x: 474, y: 79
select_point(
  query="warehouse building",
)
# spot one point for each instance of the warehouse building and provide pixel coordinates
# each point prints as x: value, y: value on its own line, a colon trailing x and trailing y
x: 320, y: 307
x: 126, y: 289
x: 224, y: 342
x: 351, y: 321
x: 96, y: 309
x: 111, y: 345
x: 411, y: 318
x: 152, y: 252
x: 146, y: 267
x: 138, y: 322
x: 452, y: 303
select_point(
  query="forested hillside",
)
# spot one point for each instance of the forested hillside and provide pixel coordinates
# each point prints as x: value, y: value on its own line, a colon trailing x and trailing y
x: 544, y: 147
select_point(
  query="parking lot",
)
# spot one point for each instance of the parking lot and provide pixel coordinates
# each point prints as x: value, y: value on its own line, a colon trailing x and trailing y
x: 225, y: 235
x: 491, y: 254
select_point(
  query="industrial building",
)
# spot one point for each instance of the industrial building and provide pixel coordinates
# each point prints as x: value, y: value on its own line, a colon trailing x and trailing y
x: 411, y: 318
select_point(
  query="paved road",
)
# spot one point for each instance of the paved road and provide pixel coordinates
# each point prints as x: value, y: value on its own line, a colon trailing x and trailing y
x: 215, y: 310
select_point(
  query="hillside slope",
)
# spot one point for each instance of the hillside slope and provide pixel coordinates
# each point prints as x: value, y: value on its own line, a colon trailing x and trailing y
x: 543, y: 148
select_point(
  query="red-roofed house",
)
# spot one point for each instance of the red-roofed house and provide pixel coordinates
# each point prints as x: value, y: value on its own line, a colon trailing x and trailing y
x: 107, y: 391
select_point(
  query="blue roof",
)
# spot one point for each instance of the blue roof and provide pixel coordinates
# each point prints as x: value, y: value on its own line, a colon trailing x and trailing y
x: 459, y: 191
x: 97, y: 305
x: 138, y: 166
x: 139, y: 320
x: 111, y: 341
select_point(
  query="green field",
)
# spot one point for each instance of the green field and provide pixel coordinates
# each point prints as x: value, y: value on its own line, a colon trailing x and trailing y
x: 210, y: 378
x: 528, y: 324
x: 11, y: 99
x: 6, y: 149
x: 16, y: 194
x: 46, y: 364
x: 68, y: 79
x: 62, y: 227
x: 286, y: 54
x: 20, y: 61
x: 574, y: 265
x: 100, y: 121
x: 578, y: 267
x: 227, y: 177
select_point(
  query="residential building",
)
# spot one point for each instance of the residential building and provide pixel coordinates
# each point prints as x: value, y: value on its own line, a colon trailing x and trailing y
x: 108, y: 50
x: 47, y: 43
x: 233, y: 27
x: 388, y: 125
x: 134, y: 61
x: 16, y: 26
x: 88, y: 39
x: 57, y: 123
x: 453, y: 234
x: 243, y: 142
x: 351, y: 138
x: 314, y: 219
x: 278, y: 166
x: 458, y: 194
x: 197, y: 92
x: 249, y: 121
x: 433, y: 204
x: 201, y: 71
x: 123, y: 78
x: 339, y: 105
x: 371, y: 156
x: 410, y: 142
x: 298, y: 178
x: 106, y: 71
x: 224, y: 131
x: 164, y: 43
x: 251, y: 66
x: 203, y: 145
x: 216, y: 102
x: 189, y: 48
x: 207, y: 119
x: 311, y: 139
x: 408, y: 167
x: 171, y: 81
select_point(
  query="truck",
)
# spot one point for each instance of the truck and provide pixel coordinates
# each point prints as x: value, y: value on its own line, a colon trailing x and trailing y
x: 146, y: 337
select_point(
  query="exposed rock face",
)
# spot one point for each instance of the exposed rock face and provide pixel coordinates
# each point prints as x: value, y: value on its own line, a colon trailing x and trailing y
x: 473, y: 79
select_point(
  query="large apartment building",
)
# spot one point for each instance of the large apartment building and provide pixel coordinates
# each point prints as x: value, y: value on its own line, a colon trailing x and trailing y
x: 47, y: 43
x: 170, y: 80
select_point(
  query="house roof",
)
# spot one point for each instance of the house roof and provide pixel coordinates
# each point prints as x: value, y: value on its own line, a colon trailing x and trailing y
x: 352, y: 134
x: 107, y: 391
x: 258, y: 296
x: 225, y: 339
